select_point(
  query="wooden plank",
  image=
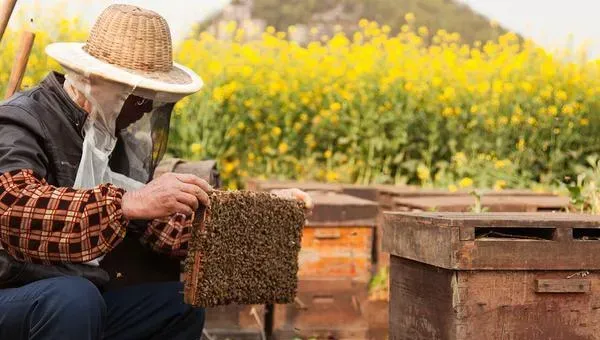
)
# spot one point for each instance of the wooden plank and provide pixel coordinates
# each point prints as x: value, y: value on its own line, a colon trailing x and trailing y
x: 336, y: 252
x: 505, y: 305
x: 492, y: 203
x: 495, y: 241
x: 527, y: 255
x: 466, y: 233
x: 341, y: 209
x: 420, y: 301
x: 18, y: 70
x: 433, y: 244
x: 562, y: 286
x: 367, y: 192
x: 5, y: 12
x: 433, y: 303
x: 268, y: 185
x: 415, y: 191
x: 324, y: 309
x: 558, y: 220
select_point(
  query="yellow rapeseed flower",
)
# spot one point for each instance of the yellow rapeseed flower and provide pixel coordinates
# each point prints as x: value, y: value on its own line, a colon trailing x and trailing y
x: 283, y: 148
x: 423, y: 173
x: 196, y: 148
x: 331, y: 176
x: 335, y: 107
x: 276, y: 131
x: 521, y: 144
x: 260, y: 85
x: 229, y: 167
x: 466, y: 182
x: 500, y: 164
x: 561, y: 95
x: 499, y: 185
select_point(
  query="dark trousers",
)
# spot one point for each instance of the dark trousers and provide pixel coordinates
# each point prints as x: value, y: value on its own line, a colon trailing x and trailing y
x: 73, y: 308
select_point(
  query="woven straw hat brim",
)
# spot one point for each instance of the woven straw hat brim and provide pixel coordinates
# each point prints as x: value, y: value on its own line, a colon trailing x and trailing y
x: 180, y: 80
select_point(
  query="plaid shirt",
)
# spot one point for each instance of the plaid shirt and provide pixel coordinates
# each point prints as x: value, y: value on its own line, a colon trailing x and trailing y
x: 41, y: 223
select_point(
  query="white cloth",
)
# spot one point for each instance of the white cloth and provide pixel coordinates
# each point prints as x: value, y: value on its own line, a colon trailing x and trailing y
x: 106, y: 99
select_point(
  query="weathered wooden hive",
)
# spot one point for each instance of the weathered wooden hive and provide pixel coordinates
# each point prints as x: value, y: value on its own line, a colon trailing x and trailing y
x: 494, y: 276
x: 334, y: 267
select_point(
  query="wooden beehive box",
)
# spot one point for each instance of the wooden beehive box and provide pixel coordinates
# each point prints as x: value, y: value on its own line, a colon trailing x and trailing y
x: 243, y: 322
x: 337, y: 241
x: 334, y: 268
x: 324, y: 309
x: 494, y: 276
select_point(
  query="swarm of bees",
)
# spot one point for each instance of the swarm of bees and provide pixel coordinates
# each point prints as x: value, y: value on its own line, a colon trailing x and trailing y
x: 244, y: 250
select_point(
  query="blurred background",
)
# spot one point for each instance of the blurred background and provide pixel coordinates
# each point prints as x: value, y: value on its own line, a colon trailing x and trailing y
x: 436, y: 93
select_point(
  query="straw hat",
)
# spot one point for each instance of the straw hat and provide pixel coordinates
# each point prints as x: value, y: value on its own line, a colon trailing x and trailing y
x: 132, y: 46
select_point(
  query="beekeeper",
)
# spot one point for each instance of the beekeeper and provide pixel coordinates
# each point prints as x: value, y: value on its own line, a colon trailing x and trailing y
x: 77, y: 154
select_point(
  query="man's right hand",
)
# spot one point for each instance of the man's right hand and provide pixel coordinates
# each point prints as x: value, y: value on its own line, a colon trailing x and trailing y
x: 165, y: 196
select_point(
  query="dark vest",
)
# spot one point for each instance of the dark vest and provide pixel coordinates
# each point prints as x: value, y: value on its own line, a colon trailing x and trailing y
x: 51, y: 139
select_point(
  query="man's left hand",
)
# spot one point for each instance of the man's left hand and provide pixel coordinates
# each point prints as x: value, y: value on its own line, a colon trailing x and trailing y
x: 295, y: 194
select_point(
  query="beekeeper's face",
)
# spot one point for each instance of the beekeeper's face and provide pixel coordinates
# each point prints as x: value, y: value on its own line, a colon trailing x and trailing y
x: 133, y: 109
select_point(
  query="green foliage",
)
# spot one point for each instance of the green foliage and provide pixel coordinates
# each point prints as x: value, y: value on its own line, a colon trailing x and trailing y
x: 585, y: 189
x: 379, y: 284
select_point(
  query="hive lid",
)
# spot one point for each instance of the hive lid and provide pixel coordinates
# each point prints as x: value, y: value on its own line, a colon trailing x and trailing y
x: 495, y: 241
x: 335, y: 209
x: 368, y: 192
x: 500, y: 203
x: 268, y: 185
x: 414, y: 191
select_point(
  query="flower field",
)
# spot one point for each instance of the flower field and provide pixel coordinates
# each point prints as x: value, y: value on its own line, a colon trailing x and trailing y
x: 418, y: 107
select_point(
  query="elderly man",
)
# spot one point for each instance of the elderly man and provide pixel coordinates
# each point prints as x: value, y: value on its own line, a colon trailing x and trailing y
x: 76, y: 153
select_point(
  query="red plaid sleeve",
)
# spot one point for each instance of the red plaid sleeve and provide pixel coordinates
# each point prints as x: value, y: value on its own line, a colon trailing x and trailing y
x: 45, y: 224
x: 169, y: 235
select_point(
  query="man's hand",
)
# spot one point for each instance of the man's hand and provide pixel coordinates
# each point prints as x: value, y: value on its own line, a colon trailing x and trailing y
x: 166, y: 195
x: 295, y: 194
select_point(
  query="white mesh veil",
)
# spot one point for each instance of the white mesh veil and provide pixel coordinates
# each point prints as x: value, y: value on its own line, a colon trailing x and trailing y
x: 134, y: 151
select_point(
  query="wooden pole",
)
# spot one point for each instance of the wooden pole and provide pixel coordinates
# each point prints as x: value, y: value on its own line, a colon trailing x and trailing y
x: 18, y: 70
x: 5, y: 12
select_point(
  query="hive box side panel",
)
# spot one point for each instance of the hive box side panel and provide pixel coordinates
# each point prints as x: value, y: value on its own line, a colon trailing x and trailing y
x: 340, y: 252
x: 527, y: 254
x: 234, y: 321
x: 435, y: 244
x: 420, y: 301
x: 324, y: 309
x: 512, y: 305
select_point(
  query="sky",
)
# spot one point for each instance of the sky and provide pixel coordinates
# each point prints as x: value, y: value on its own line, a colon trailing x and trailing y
x: 180, y: 14
x: 548, y: 22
